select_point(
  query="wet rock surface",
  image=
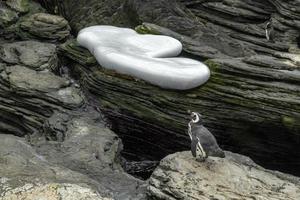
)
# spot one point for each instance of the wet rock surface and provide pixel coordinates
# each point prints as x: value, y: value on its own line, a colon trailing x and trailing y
x: 180, y: 176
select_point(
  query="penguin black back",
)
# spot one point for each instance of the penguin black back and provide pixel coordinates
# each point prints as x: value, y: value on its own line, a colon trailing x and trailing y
x: 203, y: 137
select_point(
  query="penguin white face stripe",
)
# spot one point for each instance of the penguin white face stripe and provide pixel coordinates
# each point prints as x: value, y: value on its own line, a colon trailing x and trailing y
x: 197, y: 117
x: 267, y: 30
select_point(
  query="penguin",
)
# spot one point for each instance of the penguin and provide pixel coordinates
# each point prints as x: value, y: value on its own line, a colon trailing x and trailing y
x: 269, y: 29
x: 203, y: 143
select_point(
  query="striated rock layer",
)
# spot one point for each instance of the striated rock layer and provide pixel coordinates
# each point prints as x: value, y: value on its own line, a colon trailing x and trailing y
x: 30, y: 91
x: 179, y: 176
x: 251, y: 102
x: 85, y: 166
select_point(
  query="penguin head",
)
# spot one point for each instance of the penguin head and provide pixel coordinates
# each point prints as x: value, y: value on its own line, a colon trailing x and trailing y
x: 196, y: 117
x: 269, y: 24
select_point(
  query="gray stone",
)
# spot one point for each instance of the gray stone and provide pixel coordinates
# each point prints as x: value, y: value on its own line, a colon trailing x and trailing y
x: 180, y: 176
x: 87, y: 160
x: 45, y: 26
x: 30, y: 91
x: 21, y: 6
x: 7, y: 16
x: 36, y: 55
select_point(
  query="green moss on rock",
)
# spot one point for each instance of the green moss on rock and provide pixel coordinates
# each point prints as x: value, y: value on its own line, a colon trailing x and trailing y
x: 21, y: 6
x: 73, y: 51
x: 143, y: 29
x: 7, y: 16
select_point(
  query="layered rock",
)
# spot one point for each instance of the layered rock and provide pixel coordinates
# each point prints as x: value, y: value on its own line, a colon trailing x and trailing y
x: 35, y: 55
x: 26, y: 19
x: 180, y: 176
x: 30, y: 91
x: 251, y: 103
x: 45, y: 26
x: 84, y: 166
x: 12, y: 12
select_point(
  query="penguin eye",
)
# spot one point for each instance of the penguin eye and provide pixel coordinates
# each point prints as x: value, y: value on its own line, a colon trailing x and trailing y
x: 194, y: 117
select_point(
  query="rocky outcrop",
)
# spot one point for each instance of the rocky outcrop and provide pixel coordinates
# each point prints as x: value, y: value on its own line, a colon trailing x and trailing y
x: 251, y: 102
x: 30, y: 91
x: 35, y: 55
x: 85, y: 166
x: 180, y: 176
x: 26, y: 19
x: 65, y: 151
x: 45, y: 26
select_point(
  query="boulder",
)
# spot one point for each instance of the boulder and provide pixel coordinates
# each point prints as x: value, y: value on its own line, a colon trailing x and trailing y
x: 21, y: 6
x: 84, y: 166
x: 7, y: 16
x: 45, y: 26
x: 35, y: 55
x: 180, y: 176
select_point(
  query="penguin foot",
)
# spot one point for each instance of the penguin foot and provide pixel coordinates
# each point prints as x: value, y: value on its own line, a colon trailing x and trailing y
x: 201, y: 159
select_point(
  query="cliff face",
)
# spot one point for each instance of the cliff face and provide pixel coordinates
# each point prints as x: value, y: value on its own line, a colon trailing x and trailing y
x: 251, y: 102
x: 53, y: 143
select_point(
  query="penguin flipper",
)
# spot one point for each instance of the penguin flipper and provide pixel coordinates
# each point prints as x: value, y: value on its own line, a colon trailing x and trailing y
x: 194, y: 147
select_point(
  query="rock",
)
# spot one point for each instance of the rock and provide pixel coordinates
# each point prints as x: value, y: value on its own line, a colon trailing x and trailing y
x: 7, y: 16
x: 21, y: 6
x: 243, y: 107
x: 53, y: 191
x: 24, y: 171
x: 91, y: 149
x: 75, y: 168
x: 12, y: 13
x: 151, y: 58
x: 45, y: 26
x: 35, y: 55
x: 72, y: 50
x: 251, y: 103
x: 30, y: 92
x: 103, y: 12
x: 180, y: 176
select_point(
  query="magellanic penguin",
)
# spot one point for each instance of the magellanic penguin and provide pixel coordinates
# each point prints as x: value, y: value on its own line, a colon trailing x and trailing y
x: 269, y: 29
x: 203, y: 143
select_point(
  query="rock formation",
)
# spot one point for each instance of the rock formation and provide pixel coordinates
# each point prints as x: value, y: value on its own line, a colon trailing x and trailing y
x: 64, y: 150
x: 53, y: 136
x: 251, y: 102
x: 180, y: 176
x: 86, y: 165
